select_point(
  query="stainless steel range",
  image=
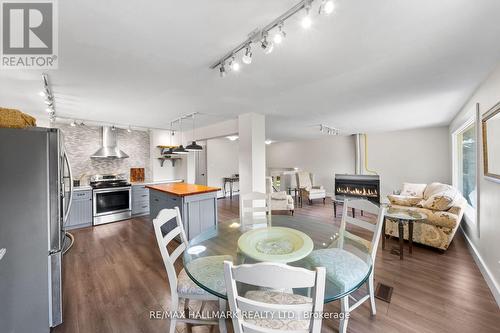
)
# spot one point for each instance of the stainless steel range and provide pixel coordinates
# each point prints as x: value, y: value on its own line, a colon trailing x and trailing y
x: 111, y: 198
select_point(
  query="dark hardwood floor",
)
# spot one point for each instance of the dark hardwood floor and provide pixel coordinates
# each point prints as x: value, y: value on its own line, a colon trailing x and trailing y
x: 114, y: 276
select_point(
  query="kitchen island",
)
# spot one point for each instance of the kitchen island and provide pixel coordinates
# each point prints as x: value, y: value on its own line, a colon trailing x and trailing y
x: 197, y: 204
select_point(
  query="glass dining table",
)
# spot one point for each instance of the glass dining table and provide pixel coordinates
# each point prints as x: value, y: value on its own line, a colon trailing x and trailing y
x: 345, y: 256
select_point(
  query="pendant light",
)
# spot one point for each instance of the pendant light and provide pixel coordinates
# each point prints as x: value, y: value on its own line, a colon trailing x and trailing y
x: 194, y: 146
x: 180, y: 149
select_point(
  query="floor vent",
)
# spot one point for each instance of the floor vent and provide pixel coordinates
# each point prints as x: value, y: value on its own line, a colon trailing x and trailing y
x: 384, y: 292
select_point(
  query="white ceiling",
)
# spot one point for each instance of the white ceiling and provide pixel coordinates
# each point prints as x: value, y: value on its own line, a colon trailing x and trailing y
x: 373, y: 66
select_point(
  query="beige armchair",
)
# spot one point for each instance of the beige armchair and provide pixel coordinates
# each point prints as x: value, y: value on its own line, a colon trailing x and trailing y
x: 279, y: 200
x: 309, y: 191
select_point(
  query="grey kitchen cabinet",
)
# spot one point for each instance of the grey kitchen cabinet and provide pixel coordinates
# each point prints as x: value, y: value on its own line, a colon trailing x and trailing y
x: 140, y: 200
x: 198, y: 211
x: 81, y: 210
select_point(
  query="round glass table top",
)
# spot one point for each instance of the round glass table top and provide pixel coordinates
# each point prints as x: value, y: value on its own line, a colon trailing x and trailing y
x: 404, y: 214
x: 346, y: 258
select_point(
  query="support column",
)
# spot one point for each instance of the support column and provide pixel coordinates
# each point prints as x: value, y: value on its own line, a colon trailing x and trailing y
x: 252, y: 153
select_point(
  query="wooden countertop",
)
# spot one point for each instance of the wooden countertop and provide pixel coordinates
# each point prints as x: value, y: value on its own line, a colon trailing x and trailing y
x: 182, y: 189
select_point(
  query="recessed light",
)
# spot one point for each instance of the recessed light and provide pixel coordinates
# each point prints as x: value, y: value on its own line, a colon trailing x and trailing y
x: 232, y: 137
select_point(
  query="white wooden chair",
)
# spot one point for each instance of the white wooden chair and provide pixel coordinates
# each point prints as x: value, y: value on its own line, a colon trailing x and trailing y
x: 372, y: 246
x: 274, y: 302
x: 254, y: 209
x: 181, y: 286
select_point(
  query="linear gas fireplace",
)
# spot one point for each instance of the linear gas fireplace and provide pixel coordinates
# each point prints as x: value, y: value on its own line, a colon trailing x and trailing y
x: 358, y: 186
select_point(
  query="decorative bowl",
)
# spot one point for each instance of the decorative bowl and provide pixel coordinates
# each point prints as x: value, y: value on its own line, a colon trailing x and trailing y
x: 275, y: 244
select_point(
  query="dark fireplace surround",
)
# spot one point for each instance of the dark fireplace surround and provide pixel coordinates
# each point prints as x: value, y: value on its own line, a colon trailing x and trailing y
x: 358, y: 186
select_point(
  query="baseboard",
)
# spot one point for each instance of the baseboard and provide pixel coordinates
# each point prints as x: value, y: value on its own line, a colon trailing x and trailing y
x: 490, y: 281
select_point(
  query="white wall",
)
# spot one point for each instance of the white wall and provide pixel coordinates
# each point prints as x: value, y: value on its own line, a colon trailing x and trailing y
x: 222, y: 161
x: 167, y: 172
x: 487, y: 245
x: 323, y: 157
x: 415, y: 156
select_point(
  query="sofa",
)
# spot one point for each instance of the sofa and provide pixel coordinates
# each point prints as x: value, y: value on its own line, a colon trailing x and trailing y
x: 279, y: 200
x: 443, y: 205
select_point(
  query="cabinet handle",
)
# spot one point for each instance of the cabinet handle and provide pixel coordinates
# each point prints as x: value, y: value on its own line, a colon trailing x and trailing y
x: 144, y: 206
x: 144, y: 195
x: 157, y: 200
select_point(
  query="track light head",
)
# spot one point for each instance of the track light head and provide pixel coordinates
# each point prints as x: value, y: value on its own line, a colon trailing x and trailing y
x: 306, y: 20
x: 73, y: 124
x: 280, y: 34
x: 222, y: 70
x: 247, y: 57
x: 327, y: 7
x: 266, y: 45
x: 234, y: 65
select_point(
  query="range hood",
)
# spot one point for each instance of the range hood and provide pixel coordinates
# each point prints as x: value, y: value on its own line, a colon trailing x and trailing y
x: 108, y: 145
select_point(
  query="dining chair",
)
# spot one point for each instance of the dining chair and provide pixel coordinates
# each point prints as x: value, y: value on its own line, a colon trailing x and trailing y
x: 181, y: 286
x: 254, y: 208
x: 346, y: 258
x: 370, y: 246
x: 283, y: 311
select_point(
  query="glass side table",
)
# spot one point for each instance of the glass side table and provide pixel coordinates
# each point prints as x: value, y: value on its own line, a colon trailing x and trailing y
x: 403, y: 216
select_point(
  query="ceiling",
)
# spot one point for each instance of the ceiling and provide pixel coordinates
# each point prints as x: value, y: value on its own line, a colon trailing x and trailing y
x: 372, y: 66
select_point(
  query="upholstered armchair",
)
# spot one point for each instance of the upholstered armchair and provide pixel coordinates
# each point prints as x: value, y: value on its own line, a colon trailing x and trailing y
x: 279, y: 200
x: 309, y: 191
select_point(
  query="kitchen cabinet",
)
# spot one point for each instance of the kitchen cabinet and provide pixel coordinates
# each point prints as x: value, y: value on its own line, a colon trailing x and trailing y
x: 197, y: 204
x: 140, y: 200
x: 81, y: 210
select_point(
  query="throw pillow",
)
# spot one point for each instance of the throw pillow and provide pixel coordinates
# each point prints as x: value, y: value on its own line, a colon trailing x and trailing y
x: 413, y: 190
x: 440, y: 201
x: 403, y: 200
x: 435, y: 188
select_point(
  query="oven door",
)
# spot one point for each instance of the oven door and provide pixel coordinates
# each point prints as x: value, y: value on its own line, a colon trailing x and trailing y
x: 111, y: 201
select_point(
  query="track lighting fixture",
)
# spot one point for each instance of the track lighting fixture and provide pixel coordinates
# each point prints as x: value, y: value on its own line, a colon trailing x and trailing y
x: 129, y: 129
x: 329, y: 130
x: 266, y: 45
x: 327, y: 7
x: 73, y: 124
x: 247, y: 57
x: 113, y: 128
x: 261, y: 34
x: 280, y: 34
x: 306, y: 20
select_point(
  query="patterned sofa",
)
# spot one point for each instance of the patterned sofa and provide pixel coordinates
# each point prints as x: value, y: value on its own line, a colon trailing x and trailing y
x: 444, y: 206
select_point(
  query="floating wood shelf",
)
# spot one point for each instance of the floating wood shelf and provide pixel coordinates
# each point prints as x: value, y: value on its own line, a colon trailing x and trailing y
x: 165, y: 148
x: 169, y: 158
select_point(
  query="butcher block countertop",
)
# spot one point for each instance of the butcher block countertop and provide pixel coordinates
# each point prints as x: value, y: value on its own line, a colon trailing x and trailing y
x: 182, y: 189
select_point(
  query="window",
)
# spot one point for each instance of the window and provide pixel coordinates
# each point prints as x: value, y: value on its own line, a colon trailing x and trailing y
x: 465, y: 164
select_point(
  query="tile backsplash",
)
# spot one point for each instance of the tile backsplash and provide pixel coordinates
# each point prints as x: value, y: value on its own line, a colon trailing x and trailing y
x: 82, y: 141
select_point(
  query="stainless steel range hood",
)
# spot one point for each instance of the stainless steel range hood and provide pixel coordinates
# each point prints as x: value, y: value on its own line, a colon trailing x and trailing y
x: 108, y: 145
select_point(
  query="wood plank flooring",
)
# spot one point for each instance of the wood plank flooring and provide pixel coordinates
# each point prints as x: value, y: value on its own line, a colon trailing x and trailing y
x: 114, y: 276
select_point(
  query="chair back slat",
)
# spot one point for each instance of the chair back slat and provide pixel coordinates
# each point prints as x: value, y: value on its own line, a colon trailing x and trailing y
x: 274, y: 276
x: 364, y: 205
x: 265, y: 276
x: 360, y: 223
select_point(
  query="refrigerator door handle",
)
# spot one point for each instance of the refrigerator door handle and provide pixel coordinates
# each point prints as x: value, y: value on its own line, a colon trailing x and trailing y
x: 70, y: 199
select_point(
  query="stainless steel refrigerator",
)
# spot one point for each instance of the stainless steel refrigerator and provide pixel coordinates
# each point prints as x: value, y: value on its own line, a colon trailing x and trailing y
x: 35, y: 199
